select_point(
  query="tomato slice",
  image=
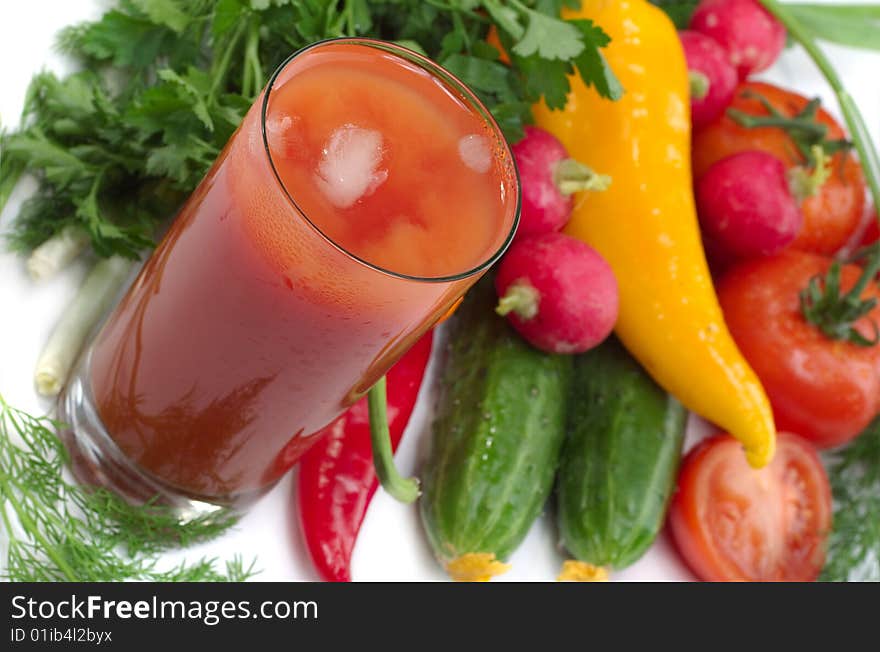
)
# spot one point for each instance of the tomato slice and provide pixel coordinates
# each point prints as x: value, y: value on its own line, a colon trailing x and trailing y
x: 732, y: 523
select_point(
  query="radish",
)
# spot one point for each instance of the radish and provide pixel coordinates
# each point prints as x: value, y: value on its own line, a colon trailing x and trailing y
x: 752, y: 37
x: 558, y: 293
x: 746, y: 206
x: 549, y: 179
x: 713, y: 78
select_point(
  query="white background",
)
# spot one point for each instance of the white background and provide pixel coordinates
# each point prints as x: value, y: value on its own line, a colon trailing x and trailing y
x: 391, y: 545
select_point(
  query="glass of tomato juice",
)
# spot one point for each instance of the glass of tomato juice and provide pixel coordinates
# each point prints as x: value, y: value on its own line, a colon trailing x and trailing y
x: 364, y: 192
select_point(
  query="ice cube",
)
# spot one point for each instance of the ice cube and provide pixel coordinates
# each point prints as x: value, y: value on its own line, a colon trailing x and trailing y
x: 349, y: 165
x: 475, y: 152
x: 284, y: 134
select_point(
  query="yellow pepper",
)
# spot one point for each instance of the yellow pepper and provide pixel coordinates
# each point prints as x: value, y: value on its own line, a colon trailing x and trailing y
x: 646, y: 227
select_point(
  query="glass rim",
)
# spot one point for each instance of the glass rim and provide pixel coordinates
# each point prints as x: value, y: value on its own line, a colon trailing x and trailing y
x: 456, y: 85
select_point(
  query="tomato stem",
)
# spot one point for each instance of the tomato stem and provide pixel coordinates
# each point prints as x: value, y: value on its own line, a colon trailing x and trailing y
x: 797, y: 124
x: 804, y: 130
x: 406, y: 490
x: 825, y: 306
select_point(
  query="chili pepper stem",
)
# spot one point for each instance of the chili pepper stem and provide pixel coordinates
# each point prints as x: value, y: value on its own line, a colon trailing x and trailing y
x: 572, y: 176
x: 521, y: 298
x: 406, y: 490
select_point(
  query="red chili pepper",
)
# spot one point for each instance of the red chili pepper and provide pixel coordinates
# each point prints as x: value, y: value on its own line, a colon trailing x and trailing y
x: 337, y: 478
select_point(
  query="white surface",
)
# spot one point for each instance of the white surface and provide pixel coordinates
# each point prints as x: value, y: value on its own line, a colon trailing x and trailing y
x: 391, y: 545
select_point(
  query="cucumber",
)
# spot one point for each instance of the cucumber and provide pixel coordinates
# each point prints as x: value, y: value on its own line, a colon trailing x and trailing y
x: 619, y: 460
x: 498, y: 429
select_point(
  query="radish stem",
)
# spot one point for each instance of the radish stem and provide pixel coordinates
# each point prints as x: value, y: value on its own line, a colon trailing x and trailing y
x: 699, y: 85
x: 66, y: 340
x: 521, y: 298
x: 572, y: 176
x: 56, y: 253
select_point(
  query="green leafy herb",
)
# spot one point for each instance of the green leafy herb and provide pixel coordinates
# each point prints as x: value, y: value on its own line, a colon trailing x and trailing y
x: 118, y: 147
x: 854, y: 546
x: 58, y: 531
x: 549, y: 37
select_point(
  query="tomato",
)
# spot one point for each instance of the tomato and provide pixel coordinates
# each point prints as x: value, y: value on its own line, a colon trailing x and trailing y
x: 825, y: 390
x: 830, y: 217
x: 731, y: 522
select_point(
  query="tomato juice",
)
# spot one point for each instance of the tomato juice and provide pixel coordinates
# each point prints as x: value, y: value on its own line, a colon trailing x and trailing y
x: 355, y: 204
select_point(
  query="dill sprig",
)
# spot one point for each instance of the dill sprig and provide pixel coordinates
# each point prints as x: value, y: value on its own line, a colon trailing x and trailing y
x: 59, y: 531
x: 854, y: 545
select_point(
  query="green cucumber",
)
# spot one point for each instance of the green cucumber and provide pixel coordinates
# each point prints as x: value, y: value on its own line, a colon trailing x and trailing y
x: 619, y: 461
x: 498, y: 429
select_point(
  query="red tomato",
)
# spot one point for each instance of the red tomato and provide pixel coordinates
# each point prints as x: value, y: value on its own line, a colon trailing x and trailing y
x: 825, y: 390
x: 732, y: 523
x: 831, y: 217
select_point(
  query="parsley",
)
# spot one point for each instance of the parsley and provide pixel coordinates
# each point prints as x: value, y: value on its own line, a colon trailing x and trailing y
x: 118, y: 147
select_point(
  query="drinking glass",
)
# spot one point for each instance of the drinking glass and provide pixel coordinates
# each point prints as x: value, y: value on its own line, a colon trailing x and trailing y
x: 289, y: 284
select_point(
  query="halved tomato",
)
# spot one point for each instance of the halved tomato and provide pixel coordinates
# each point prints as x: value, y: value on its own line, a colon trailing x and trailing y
x: 731, y: 522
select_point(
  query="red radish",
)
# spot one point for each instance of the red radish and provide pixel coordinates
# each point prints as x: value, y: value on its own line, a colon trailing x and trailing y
x: 713, y: 77
x: 752, y: 37
x: 558, y: 293
x: 549, y: 179
x: 746, y: 206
